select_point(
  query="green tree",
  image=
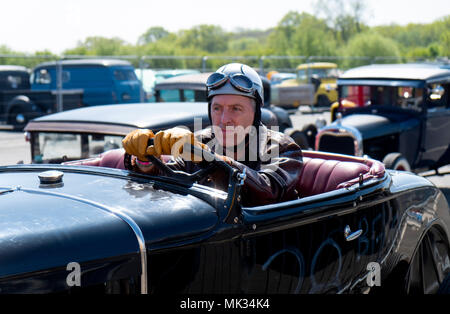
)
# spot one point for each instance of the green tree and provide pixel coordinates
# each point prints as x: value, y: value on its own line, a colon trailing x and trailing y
x: 445, y: 43
x: 152, y: 35
x: 11, y: 57
x: 370, y: 45
x: 100, y: 46
x: 164, y: 47
x: 207, y: 38
x: 423, y: 40
x: 299, y: 35
x: 313, y: 38
x: 346, y: 18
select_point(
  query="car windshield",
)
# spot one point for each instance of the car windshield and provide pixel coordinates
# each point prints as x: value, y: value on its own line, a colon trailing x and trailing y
x: 406, y: 97
x: 182, y: 95
x: 10, y: 80
x: 125, y: 75
x: 51, y: 147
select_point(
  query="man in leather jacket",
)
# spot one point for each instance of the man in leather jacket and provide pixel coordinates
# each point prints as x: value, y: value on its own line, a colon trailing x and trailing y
x: 272, y: 160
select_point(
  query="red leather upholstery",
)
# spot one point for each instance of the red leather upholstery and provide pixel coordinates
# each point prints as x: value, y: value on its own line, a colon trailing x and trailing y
x: 327, y: 172
x: 322, y: 172
x: 111, y: 159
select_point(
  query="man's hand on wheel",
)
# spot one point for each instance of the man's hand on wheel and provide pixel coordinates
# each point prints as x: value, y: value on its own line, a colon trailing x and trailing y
x: 172, y: 141
x: 167, y: 142
x: 136, y: 143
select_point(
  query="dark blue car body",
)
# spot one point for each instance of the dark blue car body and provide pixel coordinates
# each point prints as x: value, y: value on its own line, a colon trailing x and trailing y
x: 102, y: 81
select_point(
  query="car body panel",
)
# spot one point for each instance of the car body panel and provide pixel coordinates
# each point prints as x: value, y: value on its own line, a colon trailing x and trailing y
x: 103, y: 81
x: 437, y: 137
x: 297, y: 246
x: 307, y: 246
x: 371, y: 125
x: 72, y: 222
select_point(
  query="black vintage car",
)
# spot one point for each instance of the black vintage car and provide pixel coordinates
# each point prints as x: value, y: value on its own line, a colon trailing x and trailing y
x: 19, y: 103
x: 89, y: 131
x: 357, y: 228
x: 397, y: 113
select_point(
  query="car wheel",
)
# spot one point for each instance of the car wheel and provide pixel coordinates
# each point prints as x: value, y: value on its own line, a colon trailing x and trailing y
x: 444, y: 288
x: 396, y: 161
x: 300, y: 138
x: 429, y: 269
x: 17, y: 117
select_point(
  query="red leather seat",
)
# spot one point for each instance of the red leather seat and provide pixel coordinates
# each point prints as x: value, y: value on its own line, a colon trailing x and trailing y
x: 111, y: 159
x: 327, y: 172
x: 321, y: 172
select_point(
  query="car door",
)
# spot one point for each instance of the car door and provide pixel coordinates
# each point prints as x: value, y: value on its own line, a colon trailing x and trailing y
x: 310, y: 251
x: 437, y: 136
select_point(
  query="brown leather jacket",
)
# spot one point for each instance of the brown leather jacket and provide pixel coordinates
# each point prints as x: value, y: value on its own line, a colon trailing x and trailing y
x: 273, y: 178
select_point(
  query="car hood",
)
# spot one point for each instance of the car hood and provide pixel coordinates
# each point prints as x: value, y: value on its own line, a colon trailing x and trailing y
x: 81, y: 219
x: 372, y: 125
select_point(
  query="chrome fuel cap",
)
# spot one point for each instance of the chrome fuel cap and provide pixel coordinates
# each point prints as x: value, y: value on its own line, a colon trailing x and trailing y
x: 50, y: 177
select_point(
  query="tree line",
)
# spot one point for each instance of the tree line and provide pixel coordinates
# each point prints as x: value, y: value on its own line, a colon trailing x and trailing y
x: 336, y: 32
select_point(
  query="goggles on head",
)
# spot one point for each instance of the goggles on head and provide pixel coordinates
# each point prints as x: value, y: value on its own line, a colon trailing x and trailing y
x: 239, y: 81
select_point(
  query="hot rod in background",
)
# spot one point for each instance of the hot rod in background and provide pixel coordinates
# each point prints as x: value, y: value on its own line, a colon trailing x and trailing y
x: 397, y: 113
x: 91, y: 228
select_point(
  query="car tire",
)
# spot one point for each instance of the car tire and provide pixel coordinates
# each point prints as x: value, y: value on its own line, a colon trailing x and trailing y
x: 17, y: 117
x: 426, y: 274
x: 444, y: 288
x: 396, y: 161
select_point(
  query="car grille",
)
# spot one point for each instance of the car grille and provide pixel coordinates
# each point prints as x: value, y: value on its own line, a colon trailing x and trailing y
x: 337, y: 143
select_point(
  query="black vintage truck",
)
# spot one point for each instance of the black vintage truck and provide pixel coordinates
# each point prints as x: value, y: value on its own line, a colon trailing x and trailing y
x: 19, y: 104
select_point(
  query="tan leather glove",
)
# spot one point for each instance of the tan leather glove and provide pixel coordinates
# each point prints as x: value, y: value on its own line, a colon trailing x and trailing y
x: 135, y: 143
x: 171, y: 141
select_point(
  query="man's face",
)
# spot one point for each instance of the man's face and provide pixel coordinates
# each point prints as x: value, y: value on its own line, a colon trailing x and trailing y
x: 232, y: 116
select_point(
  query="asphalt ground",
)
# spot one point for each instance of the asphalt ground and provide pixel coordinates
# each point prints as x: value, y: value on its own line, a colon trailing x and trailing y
x: 14, y: 149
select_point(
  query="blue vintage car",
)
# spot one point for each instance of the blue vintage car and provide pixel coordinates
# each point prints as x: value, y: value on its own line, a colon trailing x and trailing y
x: 98, y: 228
x: 397, y: 113
x: 103, y: 81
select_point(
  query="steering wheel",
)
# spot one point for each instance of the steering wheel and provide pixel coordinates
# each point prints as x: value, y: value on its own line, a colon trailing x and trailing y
x: 230, y: 211
x: 213, y: 163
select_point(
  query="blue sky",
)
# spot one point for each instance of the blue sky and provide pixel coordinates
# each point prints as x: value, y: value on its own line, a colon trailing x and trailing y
x: 29, y: 25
